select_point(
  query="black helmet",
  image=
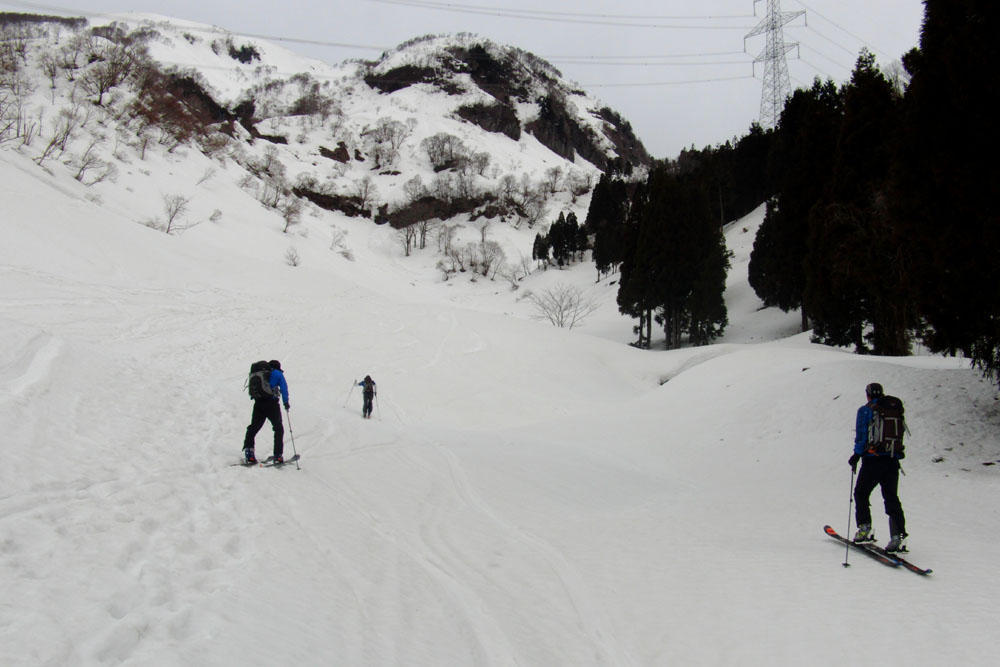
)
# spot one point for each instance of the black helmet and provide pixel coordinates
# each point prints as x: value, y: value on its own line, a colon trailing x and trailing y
x: 275, y: 364
x: 874, y: 390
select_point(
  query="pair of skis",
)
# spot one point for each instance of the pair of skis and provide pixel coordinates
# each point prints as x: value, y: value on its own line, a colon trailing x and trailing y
x: 877, y: 553
x: 269, y: 462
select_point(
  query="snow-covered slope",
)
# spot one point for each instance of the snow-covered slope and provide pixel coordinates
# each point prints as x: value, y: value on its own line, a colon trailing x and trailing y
x: 524, y: 494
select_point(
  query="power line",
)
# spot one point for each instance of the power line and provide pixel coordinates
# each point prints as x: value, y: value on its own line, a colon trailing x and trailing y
x: 452, y: 6
x: 842, y: 28
x: 651, y: 57
x: 826, y: 57
x: 664, y: 83
x: 649, y: 64
x: 535, y: 15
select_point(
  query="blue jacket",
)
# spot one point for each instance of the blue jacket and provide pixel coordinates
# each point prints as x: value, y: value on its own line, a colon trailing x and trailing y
x: 277, y: 381
x: 864, y: 418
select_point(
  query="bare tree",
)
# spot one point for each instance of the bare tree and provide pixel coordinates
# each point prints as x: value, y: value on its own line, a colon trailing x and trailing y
x: 414, y: 188
x: 174, y: 207
x: 423, y: 228
x: 508, y: 186
x: 90, y: 158
x: 564, y: 306
x: 386, y: 139
x: 408, y: 236
x: 446, y: 237
x: 443, y: 187
x: 115, y: 64
x: 579, y: 183
x: 553, y: 179
x: 291, y: 211
x: 366, y: 191
x: 491, y: 259
x: 480, y: 161
x: 50, y: 66
x: 443, y: 150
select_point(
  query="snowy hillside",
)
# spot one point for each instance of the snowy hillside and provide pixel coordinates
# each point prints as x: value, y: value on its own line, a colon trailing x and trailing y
x: 523, y: 495
x: 450, y: 133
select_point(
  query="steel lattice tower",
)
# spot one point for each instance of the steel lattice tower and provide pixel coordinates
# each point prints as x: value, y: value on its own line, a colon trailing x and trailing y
x: 776, y: 83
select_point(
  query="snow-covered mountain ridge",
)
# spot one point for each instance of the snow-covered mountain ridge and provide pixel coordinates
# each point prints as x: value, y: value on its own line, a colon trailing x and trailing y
x: 455, y: 133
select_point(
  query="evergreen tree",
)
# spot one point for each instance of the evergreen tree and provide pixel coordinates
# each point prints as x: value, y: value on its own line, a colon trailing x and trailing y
x: 855, y: 290
x: 676, y: 262
x: 632, y: 298
x: 605, y: 220
x: 948, y: 176
x: 540, y: 249
x: 801, y: 167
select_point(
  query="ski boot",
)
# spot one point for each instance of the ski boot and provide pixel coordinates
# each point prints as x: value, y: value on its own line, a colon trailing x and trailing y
x: 864, y: 533
x: 248, y: 457
x: 897, y: 544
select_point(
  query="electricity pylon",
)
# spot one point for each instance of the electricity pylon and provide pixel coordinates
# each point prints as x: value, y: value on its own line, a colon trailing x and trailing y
x: 776, y: 83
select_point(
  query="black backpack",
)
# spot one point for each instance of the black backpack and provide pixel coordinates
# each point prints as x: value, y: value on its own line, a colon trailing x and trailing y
x: 259, y: 382
x: 885, y: 432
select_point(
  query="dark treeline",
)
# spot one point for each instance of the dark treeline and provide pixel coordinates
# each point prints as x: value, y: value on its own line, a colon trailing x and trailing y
x: 664, y: 235
x: 883, y: 221
x: 882, y: 208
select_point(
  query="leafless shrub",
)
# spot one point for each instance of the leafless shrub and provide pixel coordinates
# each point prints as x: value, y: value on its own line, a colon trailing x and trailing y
x: 207, y: 176
x: 291, y: 211
x: 292, y: 256
x: 579, y: 183
x: 64, y: 127
x: 564, y: 306
x: 90, y: 158
x: 174, y: 207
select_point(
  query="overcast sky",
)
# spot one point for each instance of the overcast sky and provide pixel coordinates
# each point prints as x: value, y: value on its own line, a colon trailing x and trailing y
x: 676, y: 69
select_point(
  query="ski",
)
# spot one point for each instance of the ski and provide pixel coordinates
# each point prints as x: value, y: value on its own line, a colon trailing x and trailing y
x: 863, y: 547
x: 269, y: 462
x: 902, y: 561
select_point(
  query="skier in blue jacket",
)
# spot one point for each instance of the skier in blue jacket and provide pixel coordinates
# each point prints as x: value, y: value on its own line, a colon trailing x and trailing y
x: 268, y: 408
x: 877, y: 469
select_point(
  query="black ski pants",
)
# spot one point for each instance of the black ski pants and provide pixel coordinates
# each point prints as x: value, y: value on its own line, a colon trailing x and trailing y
x: 266, y: 409
x: 366, y: 409
x: 880, y: 471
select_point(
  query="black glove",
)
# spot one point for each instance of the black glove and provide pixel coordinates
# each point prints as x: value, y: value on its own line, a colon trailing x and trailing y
x: 854, y: 460
x: 287, y: 407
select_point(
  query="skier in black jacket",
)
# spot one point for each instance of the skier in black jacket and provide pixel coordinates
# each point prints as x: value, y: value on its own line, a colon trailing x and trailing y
x: 369, y: 392
x: 268, y: 408
x: 877, y: 469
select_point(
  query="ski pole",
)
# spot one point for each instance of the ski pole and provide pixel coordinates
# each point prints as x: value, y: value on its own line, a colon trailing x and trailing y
x: 850, y: 504
x: 378, y: 407
x: 351, y: 392
x: 291, y: 435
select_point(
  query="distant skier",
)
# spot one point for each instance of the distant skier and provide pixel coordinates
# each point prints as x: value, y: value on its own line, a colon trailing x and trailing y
x: 266, y: 389
x: 878, y: 444
x: 369, y: 392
